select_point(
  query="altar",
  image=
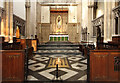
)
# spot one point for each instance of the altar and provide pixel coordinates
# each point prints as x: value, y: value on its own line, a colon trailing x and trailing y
x: 58, y: 37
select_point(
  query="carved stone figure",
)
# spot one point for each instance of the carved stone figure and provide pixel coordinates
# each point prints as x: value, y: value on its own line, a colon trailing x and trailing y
x: 59, y: 22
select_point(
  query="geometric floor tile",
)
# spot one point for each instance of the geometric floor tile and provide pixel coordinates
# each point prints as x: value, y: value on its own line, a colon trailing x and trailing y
x: 79, y: 66
x: 30, y: 77
x: 42, y: 58
x: 47, y: 74
x: 69, y: 73
x: 84, y: 61
x: 35, y: 67
x: 60, y: 73
x: 46, y: 61
x: 37, y: 55
x: 70, y: 61
x: 31, y: 61
x: 80, y: 56
x: 74, y: 58
x: 83, y: 77
x: 41, y: 66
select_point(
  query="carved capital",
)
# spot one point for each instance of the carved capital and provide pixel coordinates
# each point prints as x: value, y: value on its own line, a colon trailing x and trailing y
x: 27, y: 5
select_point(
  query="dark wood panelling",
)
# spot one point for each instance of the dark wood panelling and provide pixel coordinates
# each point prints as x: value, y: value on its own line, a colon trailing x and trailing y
x: 102, y: 65
x: 12, y: 65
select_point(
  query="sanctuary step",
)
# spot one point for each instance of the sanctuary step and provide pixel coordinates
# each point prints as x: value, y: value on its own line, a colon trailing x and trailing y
x: 58, y: 48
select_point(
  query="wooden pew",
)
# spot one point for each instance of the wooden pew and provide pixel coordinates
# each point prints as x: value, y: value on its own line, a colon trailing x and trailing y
x: 114, y: 44
x: 9, y: 46
x: 26, y: 43
x: 85, y: 48
x: 104, y: 66
x: 13, y: 55
x: 12, y: 64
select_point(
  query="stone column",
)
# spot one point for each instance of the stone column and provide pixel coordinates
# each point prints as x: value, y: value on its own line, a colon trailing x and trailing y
x: 79, y: 21
x: 27, y: 28
x: 119, y: 24
x: 7, y: 21
x: 0, y: 19
x: 109, y: 28
x: 108, y: 20
x: 11, y: 21
x: 90, y: 18
x: 2, y: 24
x: 105, y: 21
x: 113, y: 20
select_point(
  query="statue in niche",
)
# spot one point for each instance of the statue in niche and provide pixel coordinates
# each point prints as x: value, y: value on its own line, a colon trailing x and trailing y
x: 59, y: 22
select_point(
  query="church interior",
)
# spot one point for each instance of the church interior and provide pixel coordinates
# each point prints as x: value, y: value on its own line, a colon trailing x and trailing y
x: 60, y: 41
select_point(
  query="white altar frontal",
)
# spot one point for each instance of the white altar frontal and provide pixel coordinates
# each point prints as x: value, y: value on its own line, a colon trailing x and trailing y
x: 58, y: 37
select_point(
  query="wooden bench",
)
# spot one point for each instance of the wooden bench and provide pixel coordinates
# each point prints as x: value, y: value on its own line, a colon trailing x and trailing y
x: 104, y: 66
x: 14, y: 60
x: 12, y: 65
x: 26, y: 43
x: 9, y: 46
x: 85, y: 49
x: 114, y: 44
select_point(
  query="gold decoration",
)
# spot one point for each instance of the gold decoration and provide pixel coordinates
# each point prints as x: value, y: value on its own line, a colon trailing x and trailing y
x: 62, y: 62
x: 17, y: 32
x: 59, y: 21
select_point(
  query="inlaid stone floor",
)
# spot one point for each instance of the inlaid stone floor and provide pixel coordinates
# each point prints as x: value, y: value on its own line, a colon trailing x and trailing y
x: 74, y: 66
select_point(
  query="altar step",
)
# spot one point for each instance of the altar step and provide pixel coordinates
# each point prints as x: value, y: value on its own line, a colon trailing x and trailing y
x: 58, y: 45
x: 58, y: 52
x: 58, y: 48
x: 59, y: 42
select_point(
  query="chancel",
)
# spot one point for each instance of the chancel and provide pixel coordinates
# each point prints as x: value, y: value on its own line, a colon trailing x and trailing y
x: 60, y: 41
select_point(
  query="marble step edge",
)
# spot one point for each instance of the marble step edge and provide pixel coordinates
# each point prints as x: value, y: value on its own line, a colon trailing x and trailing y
x: 57, y: 48
x: 56, y: 53
x: 58, y: 45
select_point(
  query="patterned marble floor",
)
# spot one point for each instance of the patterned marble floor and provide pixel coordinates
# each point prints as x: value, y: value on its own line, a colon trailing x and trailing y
x: 38, y: 70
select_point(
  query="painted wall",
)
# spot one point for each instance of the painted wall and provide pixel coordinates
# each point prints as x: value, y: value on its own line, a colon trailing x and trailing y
x: 19, y: 9
x: 100, y: 9
x: 1, y: 3
x: 85, y: 13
